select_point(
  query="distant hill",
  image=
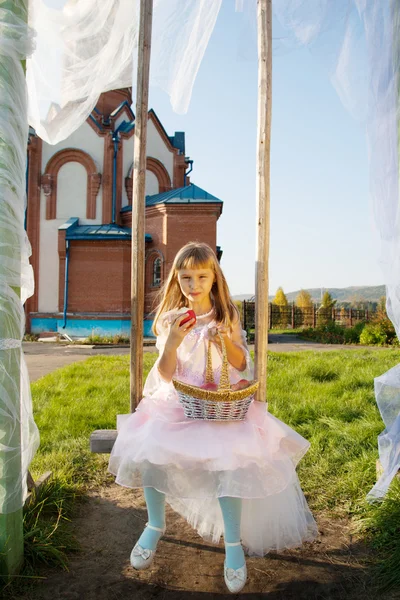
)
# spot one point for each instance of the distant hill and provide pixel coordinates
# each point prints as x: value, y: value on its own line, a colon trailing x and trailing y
x: 349, y: 294
x: 243, y: 297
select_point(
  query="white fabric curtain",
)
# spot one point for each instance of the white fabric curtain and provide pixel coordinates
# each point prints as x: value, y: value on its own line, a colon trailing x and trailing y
x: 359, y: 41
x: 85, y: 47
x: 19, y: 437
x: 88, y: 47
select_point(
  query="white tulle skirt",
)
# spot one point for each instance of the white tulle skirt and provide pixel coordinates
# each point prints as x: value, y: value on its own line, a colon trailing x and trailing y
x: 195, y: 462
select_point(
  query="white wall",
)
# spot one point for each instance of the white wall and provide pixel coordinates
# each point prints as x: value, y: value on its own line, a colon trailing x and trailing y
x: 157, y: 148
x: 87, y: 140
x: 152, y: 186
x: 127, y: 160
x: 48, y: 260
x: 72, y: 192
x: 71, y: 202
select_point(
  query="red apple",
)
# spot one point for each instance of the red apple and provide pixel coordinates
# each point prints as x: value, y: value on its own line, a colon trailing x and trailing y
x: 191, y: 315
x: 210, y: 386
x: 240, y: 385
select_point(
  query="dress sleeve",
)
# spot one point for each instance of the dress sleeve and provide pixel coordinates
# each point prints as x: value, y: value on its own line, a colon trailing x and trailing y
x: 155, y: 385
x: 164, y: 325
x: 163, y: 330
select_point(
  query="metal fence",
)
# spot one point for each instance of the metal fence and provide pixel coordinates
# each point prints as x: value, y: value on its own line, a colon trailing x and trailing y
x: 294, y: 317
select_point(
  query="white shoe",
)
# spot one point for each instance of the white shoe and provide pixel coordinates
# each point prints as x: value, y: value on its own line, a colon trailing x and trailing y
x: 235, y: 579
x: 141, y: 558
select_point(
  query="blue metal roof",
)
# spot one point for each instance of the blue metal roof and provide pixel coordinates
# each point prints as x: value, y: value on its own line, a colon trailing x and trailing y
x: 178, y: 141
x: 190, y: 194
x: 97, y: 232
x: 126, y: 127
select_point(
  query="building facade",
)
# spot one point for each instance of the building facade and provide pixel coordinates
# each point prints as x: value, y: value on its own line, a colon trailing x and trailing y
x: 79, y: 215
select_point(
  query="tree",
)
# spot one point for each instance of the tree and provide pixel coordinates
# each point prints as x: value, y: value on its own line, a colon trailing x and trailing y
x: 280, y: 298
x: 357, y: 302
x: 327, y: 301
x: 279, y: 310
x: 239, y: 306
x: 325, y: 310
x: 304, y: 312
x: 381, y: 313
x: 303, y: 299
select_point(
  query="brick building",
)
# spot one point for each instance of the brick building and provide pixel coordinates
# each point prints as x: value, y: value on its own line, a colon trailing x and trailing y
x: 79, y: 214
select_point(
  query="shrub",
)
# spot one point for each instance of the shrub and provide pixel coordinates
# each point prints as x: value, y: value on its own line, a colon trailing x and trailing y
x: 352, y: 334
x: 387, y: 327
x: 373, y: 334
x: 331, y: 333
x: 31, y: 337
x: 326, y: 334
x: 106, y: 339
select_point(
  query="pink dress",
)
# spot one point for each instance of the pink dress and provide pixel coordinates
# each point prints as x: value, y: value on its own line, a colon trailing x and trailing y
x: 194, y: 462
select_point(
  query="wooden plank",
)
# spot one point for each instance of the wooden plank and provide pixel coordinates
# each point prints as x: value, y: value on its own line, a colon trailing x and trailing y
x: 264, y: 25
x: 102, y: 440
x: 138, y: 203
x: 30, y: 481
x: 37, y: 485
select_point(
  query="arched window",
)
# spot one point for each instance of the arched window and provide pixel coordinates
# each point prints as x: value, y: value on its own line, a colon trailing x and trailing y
x: 157, y: 272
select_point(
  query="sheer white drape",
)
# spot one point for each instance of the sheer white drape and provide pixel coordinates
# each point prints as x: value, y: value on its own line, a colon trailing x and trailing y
x: 19, y: 436
x: 359, y: 40
x: 86, y: 47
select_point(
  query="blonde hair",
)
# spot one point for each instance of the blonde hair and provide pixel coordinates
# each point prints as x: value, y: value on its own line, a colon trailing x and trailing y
x: 197, y: 255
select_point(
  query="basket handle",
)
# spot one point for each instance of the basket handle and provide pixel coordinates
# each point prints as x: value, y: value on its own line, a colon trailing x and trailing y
x: 224, y: 379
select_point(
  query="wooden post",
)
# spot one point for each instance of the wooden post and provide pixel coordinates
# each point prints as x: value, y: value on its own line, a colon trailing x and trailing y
x: 138, y: 202
x: 264, y: 26
x: 11, y: 523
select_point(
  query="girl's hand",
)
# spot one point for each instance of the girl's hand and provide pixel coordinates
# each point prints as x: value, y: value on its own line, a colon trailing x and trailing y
x: 213, y: 333
x: 177, y: 332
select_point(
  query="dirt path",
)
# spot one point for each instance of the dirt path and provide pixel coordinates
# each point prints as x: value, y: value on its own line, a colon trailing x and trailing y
x: 111, y: 520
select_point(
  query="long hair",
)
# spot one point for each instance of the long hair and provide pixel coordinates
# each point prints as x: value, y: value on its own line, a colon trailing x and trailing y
x: 197, y: 255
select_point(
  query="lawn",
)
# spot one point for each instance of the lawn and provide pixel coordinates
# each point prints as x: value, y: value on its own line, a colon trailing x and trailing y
x: 327, y: 397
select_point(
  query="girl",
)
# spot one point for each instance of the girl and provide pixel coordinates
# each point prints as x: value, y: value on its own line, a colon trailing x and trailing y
x: 235, y: 479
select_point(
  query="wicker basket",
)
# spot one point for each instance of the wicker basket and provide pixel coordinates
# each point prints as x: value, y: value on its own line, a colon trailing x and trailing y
x: 223, y: 404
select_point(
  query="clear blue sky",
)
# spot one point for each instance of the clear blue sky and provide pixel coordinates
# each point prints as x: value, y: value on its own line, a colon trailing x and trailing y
x: 321, y: 226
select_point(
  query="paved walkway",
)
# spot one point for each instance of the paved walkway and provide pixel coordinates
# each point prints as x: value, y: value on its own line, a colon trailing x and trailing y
x: 44, y: 357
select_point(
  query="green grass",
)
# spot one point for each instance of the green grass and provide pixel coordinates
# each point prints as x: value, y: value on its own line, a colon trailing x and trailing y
x: 105, y: 339
x: 48, y: 539
x: 72, y: 402
x: 327, y: 397
x: 277, y: 330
